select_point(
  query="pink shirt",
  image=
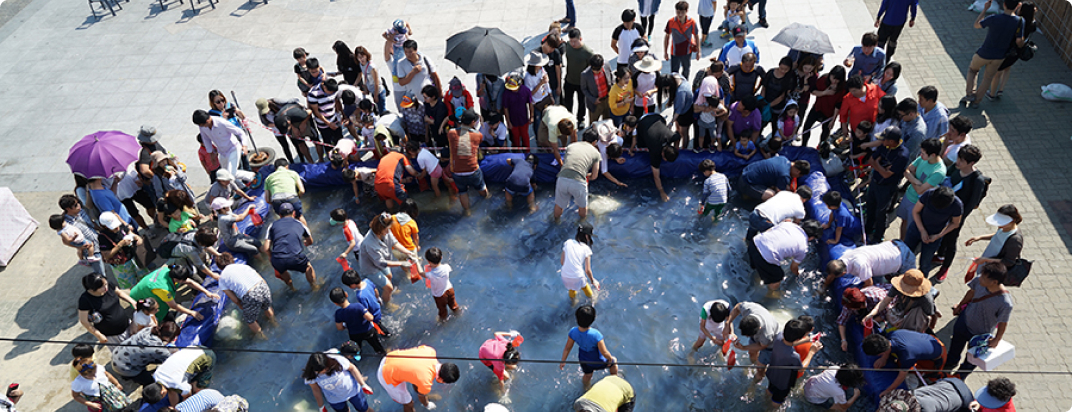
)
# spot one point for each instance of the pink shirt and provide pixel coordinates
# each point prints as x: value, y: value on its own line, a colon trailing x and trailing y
x: 494, y: 349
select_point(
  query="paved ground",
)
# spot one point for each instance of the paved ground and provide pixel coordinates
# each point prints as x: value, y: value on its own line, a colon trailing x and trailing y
x: 66, y: 75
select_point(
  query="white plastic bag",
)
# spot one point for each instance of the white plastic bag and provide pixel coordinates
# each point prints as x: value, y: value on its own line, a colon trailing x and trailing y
x: 977, y: 6
x: 1057, y: 92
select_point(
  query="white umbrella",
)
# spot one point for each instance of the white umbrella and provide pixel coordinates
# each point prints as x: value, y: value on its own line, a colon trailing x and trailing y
x: 804, y: 37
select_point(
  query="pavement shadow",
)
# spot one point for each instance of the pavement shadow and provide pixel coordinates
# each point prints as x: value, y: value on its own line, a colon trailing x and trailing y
x: 49, y: 313
x: 249, y: 6
x: 1027, y: 124
x: 91, y: 21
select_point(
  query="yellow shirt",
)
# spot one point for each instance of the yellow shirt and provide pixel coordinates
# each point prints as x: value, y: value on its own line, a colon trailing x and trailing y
x: 610, y: 393
x: 620, y: 96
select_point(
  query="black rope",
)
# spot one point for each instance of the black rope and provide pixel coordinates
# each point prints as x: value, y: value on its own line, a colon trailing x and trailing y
x: 538, y: 361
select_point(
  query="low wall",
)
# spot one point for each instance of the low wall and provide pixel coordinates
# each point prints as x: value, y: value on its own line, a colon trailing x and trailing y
x: 1055, y: 21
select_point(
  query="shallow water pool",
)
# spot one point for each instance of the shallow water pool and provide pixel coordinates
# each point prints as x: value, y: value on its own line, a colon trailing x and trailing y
x: 657, y: 262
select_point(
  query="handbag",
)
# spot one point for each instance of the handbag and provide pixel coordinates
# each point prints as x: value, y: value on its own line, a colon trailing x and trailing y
x: 1018, y: 272
x: 1028, y: 51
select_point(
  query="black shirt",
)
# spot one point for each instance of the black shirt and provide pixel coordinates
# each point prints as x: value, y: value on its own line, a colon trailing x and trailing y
x: 969, y: 189
x: 556, y: 60
x: 113, y: 319
x: 145, y: 156
x: 295, y: 114
x: 774, y: 87
x: 744, y: 83
x: 653, y: 134
x: 438, y: 113
x: 349, y: 68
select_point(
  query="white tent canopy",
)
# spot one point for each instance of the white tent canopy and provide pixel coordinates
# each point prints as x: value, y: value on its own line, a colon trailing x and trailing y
x: 16, y: 225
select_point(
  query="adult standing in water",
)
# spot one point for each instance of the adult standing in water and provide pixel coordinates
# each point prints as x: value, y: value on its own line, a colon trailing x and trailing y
x: 375, y: 257
x: 417, y: 367
x: 580, y: 167
x: 286, y: 241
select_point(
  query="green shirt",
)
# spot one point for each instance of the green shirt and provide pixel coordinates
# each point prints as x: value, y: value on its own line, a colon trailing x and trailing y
x: 183, y: 221
x: 580, y: 157
x: 926, y: 172
x: 282, y: 182
x: 576, y: 62
x: 610, y: 393
x: 156, y: 285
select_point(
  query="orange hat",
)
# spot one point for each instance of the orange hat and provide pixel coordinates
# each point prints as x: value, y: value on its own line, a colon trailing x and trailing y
x: 407, y: 102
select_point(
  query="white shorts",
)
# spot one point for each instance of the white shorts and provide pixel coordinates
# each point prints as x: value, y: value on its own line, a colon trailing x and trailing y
x: 565, y: 189
x: 574, y: 283
x: 399, y: 393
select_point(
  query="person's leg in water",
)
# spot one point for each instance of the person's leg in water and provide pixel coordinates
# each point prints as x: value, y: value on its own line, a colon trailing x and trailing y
x: 587, y: 380
x: 310, y: 275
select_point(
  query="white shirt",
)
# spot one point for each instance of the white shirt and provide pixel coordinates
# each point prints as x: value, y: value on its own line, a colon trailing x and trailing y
x: 225, y: 136
x: 127, y: 186
x: 783, y: 205
x: 953, y: 149
x: 439, y: 279
x: 532, y: 80
x: 337, y: 387
x: 625, y: 42
x: 784, y: 241
x: 603, y: 152
x: 239, y: 278
x: 90, y: 387
x: 500, y: 133
x: 142, y: 319
x: 575, y: 252
x: 419, y: 80
x: 819, y: 388
x: 869, y: 261
x: 172, y: 373
x: 427, y: 161
x: 735, y: 53
x: 645, y: 82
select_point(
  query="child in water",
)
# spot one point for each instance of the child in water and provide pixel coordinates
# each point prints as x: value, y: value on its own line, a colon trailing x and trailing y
x: 502, y: 346
x: 591, y: 350
x: 577, y: 262
x: 713, y: 316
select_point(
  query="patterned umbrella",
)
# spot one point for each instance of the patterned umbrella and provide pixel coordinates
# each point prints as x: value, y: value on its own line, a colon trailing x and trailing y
x: 804, y: 38
x: 103, y: 154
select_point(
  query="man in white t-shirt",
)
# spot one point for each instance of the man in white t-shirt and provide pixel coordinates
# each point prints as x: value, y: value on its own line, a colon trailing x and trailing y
x: 784, y: 241
x: 881, y: 259
x: 624, y: 35
x: 830, y: 389
x: 610, y: 147
x: 414, y: 72
x: 248, y: 290
x: 783, y: 206
x: 186, y: 372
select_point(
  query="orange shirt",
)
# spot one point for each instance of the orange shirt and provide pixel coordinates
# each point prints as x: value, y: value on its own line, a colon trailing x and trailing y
x: 854, y: 111
x: 421, y: 373
x: 404, y: 232
x: 388, y: 171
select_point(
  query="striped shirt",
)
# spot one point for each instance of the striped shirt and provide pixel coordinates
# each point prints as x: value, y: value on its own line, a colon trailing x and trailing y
x: 872, y: 296
x: 325, y: 102
x: 200, y: 402
x: 715, y: 189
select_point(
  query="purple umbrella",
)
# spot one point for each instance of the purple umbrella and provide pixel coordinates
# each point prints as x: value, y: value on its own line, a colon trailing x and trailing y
x: 103, y: 154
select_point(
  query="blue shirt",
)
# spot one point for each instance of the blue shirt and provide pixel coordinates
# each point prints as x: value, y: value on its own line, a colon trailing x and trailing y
x: 894, y: 159
x: 286, y: 235
x: 935, y: 219
x: 773, y: 172
x: 683, y: 99
x: 895, y: 12
x: 912, y: 135
x: 841, y: 217
x: 354, y: 318
x: 520, y: 178
x: 867, y: 65
x: 587, y: 341
x: 367, y: 297
x: 1002, y: 29
x: 937, y: 120
x: 146, y: 407
x: 909, y: 346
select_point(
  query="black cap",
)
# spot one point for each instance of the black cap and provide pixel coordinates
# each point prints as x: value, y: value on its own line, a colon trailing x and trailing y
x: 891, y: 133
x: 468, y: 116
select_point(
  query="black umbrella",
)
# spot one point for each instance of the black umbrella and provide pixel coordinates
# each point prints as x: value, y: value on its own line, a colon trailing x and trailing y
x: 485, y: 50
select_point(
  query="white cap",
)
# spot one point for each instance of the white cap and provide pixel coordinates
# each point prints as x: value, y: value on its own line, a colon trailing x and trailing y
x: 220, y: 203
x: 998, y: 219
x: 223, y: 174
x: 494, y: 407
x: 110, y: 220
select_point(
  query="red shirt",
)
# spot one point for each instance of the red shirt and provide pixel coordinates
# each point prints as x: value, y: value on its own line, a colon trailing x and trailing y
x: 601, y: 82
x: 854, y: 111
x: 827, y: 105
x: 208, y: 160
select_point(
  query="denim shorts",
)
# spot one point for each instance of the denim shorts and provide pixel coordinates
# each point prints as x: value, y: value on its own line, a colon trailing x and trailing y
x: 474, y: 181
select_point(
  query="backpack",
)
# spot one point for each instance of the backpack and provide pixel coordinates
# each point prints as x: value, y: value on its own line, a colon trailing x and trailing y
x: 171, y: 241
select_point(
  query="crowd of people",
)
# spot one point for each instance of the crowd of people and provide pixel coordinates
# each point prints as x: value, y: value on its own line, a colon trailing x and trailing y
x: 906, y: 157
